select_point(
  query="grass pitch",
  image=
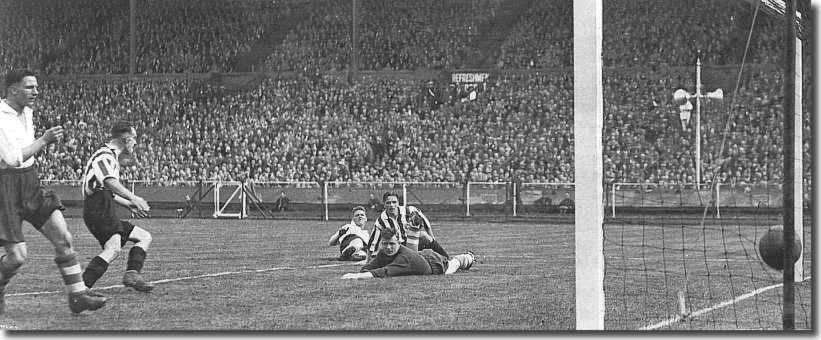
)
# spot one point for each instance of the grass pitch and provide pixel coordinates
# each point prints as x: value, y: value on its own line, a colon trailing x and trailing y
x: 236, y: 275
x: 279, y: 275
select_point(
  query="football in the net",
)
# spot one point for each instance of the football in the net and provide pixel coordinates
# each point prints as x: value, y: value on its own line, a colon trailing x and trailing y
x: 771, y: 247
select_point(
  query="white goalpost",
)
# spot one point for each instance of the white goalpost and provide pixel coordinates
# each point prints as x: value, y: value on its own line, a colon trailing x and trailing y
x: 587, y: 111
x: 238, y: 193
x: 798, y: 159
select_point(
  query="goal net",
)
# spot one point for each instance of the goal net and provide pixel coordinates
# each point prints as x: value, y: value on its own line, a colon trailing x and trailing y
x: 672, y: 255
x: 668, y: 268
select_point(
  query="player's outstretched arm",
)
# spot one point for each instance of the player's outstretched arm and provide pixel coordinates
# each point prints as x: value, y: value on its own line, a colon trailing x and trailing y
x: 365, y: 275
x: 419, y: 219
x: 335, y: 237
x: 370, y: 246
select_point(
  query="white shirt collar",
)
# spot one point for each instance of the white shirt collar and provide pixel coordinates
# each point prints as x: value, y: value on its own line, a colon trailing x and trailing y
x: 6, y: 108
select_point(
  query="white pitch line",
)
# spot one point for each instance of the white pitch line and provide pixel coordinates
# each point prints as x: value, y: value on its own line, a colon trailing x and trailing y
x: 691, y: 259
x: 190, y: 278
x: 710, y: 309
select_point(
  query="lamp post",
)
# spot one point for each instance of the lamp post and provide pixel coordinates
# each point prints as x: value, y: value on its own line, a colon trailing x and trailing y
x: 682, y: 97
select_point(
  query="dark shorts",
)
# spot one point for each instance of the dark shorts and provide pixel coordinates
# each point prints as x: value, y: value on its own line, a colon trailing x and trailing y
x: 347, y: 239
x: 23, y: 198
x: 438, y: 263
x: 424, y: 244
x: 100, y: 217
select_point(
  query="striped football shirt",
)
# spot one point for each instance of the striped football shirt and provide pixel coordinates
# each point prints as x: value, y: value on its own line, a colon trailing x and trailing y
x: 102, y: 164
x: 407, y: 232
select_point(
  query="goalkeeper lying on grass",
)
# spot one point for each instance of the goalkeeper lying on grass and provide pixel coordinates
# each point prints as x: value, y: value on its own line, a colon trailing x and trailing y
x: 394, y: 259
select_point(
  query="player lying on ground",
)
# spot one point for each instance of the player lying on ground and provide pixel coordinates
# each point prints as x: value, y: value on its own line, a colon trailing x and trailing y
x: 411, y: 226
x: 394, y: 259
x: 102, y: 188
x: 351, y: 237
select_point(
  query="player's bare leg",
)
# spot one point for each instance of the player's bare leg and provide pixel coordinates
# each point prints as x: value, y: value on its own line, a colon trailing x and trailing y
x: 56, y: 231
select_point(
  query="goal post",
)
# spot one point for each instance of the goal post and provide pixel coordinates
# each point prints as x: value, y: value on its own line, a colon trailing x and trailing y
x: 587, y: 122
x: 488, y: 199
x: 237, y: 194
x: 798, y: 160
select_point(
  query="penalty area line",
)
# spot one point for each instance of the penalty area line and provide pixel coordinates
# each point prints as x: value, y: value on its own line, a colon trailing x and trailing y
x: 194, y: 277
x: 722, y: 304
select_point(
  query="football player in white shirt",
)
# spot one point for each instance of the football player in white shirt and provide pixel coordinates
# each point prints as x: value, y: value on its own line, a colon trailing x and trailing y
x: 23, y: 198
x: 351, y: 237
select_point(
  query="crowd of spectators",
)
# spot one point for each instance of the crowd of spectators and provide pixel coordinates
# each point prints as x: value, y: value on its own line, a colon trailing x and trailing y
x: 209, y: 36
x: 85, y: 36
x: 717, y: 28
x: 421, y: 34
x: 34, y: 32
x: 392, y: 35
x: 741, y: 136
x: 647, y: 33
x: 321, y: 41
x: 519, y: 127
x: 383, y: 128
x: 541, y: 38
x: 180, y: 36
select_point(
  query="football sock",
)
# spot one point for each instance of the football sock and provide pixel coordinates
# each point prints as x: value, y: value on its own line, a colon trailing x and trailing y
x: 71, y: 272
x: 465, y: 260
x: 453, y: 266
x: 136, y: 257
x: 96, y: 268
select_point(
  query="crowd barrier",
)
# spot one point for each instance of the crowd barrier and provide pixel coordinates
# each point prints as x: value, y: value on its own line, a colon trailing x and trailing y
x: 333, y: 200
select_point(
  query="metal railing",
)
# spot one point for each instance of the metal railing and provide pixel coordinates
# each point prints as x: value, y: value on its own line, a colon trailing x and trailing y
x: 472, y: 198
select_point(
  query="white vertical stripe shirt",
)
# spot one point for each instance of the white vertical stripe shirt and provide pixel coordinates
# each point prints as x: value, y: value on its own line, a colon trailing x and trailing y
x: 103, y: 164
x: 16, y: 132
x: 407, y: 233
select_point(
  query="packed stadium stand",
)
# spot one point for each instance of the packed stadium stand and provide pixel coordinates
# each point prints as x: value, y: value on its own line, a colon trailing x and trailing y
x: 306, y: 120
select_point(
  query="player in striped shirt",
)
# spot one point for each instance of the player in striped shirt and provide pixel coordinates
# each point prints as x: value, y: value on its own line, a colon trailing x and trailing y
x: 411, y: 226
x: 101, y: 189
x: 351, y: 237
